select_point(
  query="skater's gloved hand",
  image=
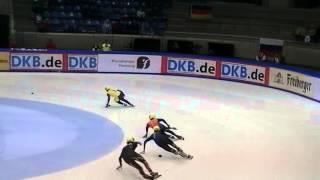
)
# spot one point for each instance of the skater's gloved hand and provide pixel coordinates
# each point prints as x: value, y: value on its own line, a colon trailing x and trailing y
x: 119, y: 167
x: 107, y: 105
x: 173, y: 128
x: 145, y: 136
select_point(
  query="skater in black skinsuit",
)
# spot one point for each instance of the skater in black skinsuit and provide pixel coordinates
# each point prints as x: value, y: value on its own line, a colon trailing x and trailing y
x: 162, y: 140
x: 129, y: 155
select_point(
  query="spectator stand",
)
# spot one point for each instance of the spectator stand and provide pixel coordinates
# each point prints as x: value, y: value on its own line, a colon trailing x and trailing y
x: 147, y: 17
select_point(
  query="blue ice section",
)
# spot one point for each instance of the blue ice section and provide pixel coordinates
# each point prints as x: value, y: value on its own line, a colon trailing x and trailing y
x: 40, y: 138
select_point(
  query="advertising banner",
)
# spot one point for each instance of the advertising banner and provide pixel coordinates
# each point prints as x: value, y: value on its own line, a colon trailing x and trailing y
x: 243, y: 72
x: 4, y: 61
x: 36, y: 61
x: 82, y: 63
x: 316, y: 82
x: 293, y: 81
x: 191, y: 66
x: 129, y: 63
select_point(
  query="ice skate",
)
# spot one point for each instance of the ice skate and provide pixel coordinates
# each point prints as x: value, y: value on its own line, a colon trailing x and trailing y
x: 156, y: 176
x: 181, y: 138
x: 154, y: 173
x: 184, y: 155
x: 189, y: 157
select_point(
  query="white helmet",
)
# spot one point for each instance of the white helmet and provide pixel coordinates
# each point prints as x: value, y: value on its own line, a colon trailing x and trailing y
x: 152, y: 116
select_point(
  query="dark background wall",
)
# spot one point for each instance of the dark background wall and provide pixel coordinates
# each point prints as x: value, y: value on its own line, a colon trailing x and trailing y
x: 4, y: 31
x: 5, y: 14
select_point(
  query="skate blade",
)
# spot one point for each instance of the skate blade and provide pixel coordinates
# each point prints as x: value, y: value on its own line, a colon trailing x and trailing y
x: 157, y: 176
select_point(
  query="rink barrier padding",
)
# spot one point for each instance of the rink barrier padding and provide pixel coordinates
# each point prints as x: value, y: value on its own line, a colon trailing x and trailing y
x: 82, y: 63
x: 135, y: 63
x: 36, y: 61
x: 295, y: 80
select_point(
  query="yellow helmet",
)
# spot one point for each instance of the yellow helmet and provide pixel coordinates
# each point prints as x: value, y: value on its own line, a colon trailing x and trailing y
x: 152, y: 116
x: 130, y: 140
x: 156, y: 129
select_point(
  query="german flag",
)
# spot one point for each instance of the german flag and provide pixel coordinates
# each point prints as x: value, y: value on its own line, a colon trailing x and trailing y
x: 201, y: 12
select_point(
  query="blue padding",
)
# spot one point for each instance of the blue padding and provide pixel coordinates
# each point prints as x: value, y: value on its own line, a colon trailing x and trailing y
x: 39, y: 138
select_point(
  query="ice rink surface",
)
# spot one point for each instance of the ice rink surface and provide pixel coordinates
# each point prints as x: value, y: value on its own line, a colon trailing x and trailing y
x: 234, y: 131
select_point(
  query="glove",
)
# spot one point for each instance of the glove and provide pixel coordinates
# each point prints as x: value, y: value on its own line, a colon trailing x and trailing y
x: 145, y: 136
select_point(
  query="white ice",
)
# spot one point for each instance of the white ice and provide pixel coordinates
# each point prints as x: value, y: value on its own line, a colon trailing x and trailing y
x: 235, y: 131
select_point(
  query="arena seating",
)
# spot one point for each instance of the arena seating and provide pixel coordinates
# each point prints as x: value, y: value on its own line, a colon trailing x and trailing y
x: 101, y: 16
x: 239, y: 19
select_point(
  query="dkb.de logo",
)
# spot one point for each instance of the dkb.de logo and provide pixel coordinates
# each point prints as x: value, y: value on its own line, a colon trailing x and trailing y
x: 143, y: 62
